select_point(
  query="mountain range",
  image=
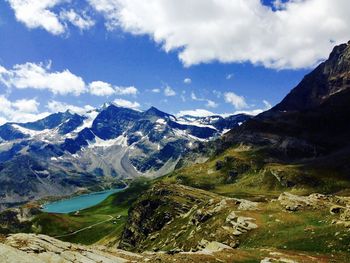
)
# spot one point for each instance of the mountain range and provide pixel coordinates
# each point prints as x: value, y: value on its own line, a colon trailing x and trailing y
x: 66, y: 151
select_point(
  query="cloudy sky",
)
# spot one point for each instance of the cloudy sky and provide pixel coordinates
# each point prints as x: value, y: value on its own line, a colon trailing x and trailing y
x: 197, y: 56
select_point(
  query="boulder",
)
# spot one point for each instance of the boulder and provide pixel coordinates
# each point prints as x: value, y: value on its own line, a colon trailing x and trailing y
x: 336, y: 209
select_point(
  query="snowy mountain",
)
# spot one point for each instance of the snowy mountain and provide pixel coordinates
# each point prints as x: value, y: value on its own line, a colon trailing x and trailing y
x: 67, y: 151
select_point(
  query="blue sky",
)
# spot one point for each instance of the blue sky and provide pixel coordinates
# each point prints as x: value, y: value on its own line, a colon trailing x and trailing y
x: 86, y: 53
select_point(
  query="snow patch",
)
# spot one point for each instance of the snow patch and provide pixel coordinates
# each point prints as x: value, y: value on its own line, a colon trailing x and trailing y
x: 196, y: 123
x: 161, y: 121
x: 225, y: 131
x: 29, y: 132
x: 98, y: 142
x: 90, y: 117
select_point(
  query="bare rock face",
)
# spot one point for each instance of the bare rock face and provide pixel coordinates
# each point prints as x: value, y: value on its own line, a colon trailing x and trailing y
x: 173, y: 217
x: 30, y: 248
x: 9, y: 254
x: 311, y: 121
x: 336, y: 204
x: 239, y: 224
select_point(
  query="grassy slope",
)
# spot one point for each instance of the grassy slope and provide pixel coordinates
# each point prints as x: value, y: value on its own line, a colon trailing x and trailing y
x: 255, y: 175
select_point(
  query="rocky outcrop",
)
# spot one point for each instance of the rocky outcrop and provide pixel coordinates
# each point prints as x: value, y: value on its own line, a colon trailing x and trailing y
x: 172, y: 217
x: 239, y: 224
x: 336, y: 204
x: 30, y: 248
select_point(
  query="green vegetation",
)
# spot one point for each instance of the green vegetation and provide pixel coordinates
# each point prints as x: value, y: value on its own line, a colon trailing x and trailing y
x: 306, y: 230
x: 107, y: 218
x: 246, y: 172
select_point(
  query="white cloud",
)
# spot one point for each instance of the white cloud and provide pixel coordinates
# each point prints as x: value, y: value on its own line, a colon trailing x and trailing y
x: 169, y: 92
x: 100, y: 88
x: 155, y: 90
x: 126, y: 104
x: 83, y: 22
x: 58, y: 106
x: 237, y: 101
x: 299, y: 34
x: 25, y: 105
x: 229, y: 76
x: 23, y: 110
x: 125, y: 90
x: 39, y: 76
x: 193, y: 96
x: 209, y: 104
x: 37, y: 13
x: 267, y: 106
x: 44, y: 14
x: 187, y: 81
x: 196, y: 113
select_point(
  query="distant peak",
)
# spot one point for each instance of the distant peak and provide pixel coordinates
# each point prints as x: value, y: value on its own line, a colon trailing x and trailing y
x: 69, y: 112
x: 106, y: 105
x: 153, y: 111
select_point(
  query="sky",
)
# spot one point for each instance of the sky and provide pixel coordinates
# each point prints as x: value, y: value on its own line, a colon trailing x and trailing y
x: 197, y: 57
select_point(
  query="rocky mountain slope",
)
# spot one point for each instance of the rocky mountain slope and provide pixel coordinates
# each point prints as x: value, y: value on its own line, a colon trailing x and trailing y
x: 301, y: 144
x: 65, y: 152
x: 312, y: 120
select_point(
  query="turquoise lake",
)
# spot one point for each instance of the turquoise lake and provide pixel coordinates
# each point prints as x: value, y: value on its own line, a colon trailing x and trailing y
x: 78, y: 202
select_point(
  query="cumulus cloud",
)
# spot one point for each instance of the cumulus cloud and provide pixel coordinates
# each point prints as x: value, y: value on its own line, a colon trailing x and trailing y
x: 125, y: 90
x: 293, y: 34
x: 58, y: 106
x: 37, y: 13
x: 40, y: 76
x: 100, y: 88
x: 237, y: 101
x: 187, y: 81
x: 169, y: 92
x: 26, y: 105
x: 43, y: 14
x: 127, y: 104
x: 23, y: 110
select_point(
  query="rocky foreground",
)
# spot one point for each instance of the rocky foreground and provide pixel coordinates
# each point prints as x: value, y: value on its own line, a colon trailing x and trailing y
x: 177, y: 223
x: 30, y: 248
